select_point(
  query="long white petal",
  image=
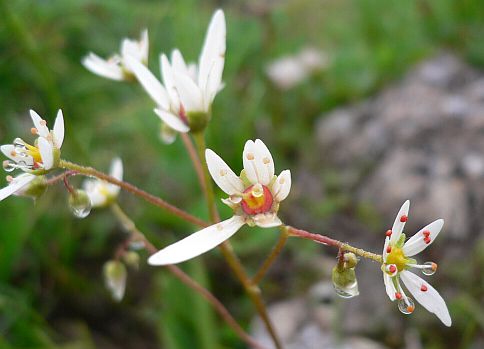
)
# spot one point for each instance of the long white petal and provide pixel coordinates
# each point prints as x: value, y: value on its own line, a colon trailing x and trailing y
x: 417, y: 243
x: 17, y: 184
x: 189, y: 92
x: 213, y: 53
x: 172, y: 120
x: 149, y: 82
x: 429, y: 299
x: 222, y: 174
x: 39, y: 124
x: 258, y: 163
x: 169, y: 82
x: 282, y: 186
x: 117, y: 172
x: 59, y: 129
x: 46, y: 153
x: 9, y: 151
x: 398, y: 225
x: 101, y: 67
x: 178, y: 63
x: 389, y: 286
x: 214, y: 83
x: 197, y: 243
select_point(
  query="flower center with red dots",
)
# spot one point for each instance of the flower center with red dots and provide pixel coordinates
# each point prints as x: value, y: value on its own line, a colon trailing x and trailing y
x: 256, y: 199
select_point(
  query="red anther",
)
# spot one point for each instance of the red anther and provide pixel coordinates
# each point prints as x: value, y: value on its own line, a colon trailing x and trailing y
x: 426, y: 233
x: 398, y: 295
x: 410, y: 308
x: 36, y: 165
x: 388, y: 233
x: 423, y: 288
x: 389, y: 249
x: 427, y: 240
x: 403, y: 218
x: 392, y: 269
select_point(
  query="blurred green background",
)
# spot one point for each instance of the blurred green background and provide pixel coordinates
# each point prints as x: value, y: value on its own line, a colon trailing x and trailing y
x: 51, y: 287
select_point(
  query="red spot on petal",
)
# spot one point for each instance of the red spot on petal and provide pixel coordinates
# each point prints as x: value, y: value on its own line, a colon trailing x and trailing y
x: 388, y: 233
x: 389, y: 249
x: 426, y: 233
x: 427, y: 240
x: 423, y: 288
x: 398, y: 295
x: 403, y: 218
x: 392, y: 269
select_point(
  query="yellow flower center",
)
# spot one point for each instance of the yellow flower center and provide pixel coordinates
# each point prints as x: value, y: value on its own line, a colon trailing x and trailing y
x: 397, y: 257
x: 34, y: 152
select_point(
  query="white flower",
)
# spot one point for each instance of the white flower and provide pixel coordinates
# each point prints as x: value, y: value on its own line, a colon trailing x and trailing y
x: 102, y: 193
x: 115, y: 67
x: 17, y: 185
x: 397, y: 262
x: 43, y: 155
x: 185, y: 98
x: 254, y: 196
x: 115, y: 276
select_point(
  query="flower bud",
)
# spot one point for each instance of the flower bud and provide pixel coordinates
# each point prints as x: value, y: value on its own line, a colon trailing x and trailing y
x: 34, y: 189
x: 115, y: 275
x: 344, y: 282
x: 79, y: 203
x: 131, y: 258
x: 350, y: 260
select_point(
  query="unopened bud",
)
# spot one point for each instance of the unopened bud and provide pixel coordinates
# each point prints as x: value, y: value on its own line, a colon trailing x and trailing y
x: 350, y: 260
x: 115, y: 275
x: 131, y: 258
x: 344, y: 282
x: 34, y: 189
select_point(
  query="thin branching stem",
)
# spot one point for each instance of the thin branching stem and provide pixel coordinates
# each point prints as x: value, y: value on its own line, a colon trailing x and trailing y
x: 276, y: 250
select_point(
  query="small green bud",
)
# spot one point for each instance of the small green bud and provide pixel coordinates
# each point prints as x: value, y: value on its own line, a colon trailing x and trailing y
x: 115, y: 275
x: 131, y: 258
x: 79, y: 203
x: 350, y: 260
x: 344, y: 282
x: 34, y: 189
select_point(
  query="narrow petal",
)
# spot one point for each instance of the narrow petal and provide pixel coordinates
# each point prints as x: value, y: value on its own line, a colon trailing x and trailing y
x: 221, y: 173
x: 9, y: 151
x: 178, y: 63
x: 282, y: 186
x: 149, y: 82
x: 59, y: 130
x: 267, y: 220
x: 197, y: 243
x: 116, y: 171
x: 213, y: 53
x: 258, y: 162
x: 430, y: 299
x: 39, y: 124
x: 144, y: 45
x: 169, y: 82
x: 17, y: 184
x: 101, y: 67
x: 424, y: 238
x: 172, y: 120
x: 46, y: 153
x: 389, y: 286
x: 399, y: 223
x: 214, y: 83
x: 189, y: 92
x: 385, y: 246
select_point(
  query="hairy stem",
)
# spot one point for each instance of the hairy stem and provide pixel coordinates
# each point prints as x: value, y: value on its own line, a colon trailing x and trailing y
x: 89, y: 171
x: 334, y: 243
x: 130, y: 227
x: 233, y: 261
x: 272, y: 256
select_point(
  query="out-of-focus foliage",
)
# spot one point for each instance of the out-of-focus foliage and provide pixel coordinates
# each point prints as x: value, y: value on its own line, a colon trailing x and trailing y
x: 51, y: 288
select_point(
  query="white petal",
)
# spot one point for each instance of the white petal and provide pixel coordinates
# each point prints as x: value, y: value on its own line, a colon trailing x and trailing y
x: 116, y: 171
x: 416, y: 243
x: 172, y: 120
x: 189, y: 93
x: 46, y: 153
x: 389, y: 286
x: 282, y: 186
x: 258, y: 163
x: 9, y: 149
x: 221, y: 173
x: 169, y: 82
x: 398, y: 225
x: 144, y: 45
x: 213, y: 54
x: 101, y: 67
x: 98, y: 199
x: 17, y: 184
x: 59, y: 129
x: 385, y: 246
x: 197, y: 243
x: 430, y: 299
x: 149, y: 82
x: 267, y: 220
x: 214, y: 83
x: 178, y: 63
x: 39, y: 124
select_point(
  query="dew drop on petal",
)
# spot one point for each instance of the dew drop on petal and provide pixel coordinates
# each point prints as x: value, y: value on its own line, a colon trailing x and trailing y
x: 430, y: 268
x: 9, y: 166
x: 80, y: 204
x: 406, y: 306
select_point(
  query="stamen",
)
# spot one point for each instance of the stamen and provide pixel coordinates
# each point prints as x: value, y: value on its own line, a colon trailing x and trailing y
x: 426, y: 233
x: 13, y: 153
x: 250, y: 156
x: 9, y: 179
x: 34, y: 131
x: 388, y: 233
x: 423, y: 288
x: 398, y: 295
x: 392, y: 269
x: 427, y: 240
x: 389, y: 249
x: 403, y: 218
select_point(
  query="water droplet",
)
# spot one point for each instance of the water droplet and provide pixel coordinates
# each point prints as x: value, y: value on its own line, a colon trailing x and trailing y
x: 167, y: 134
x: 80, y: 204
x: 9, y: 166
x: 406, y: 306
x: 348, y: 291
x: 430, y: 268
